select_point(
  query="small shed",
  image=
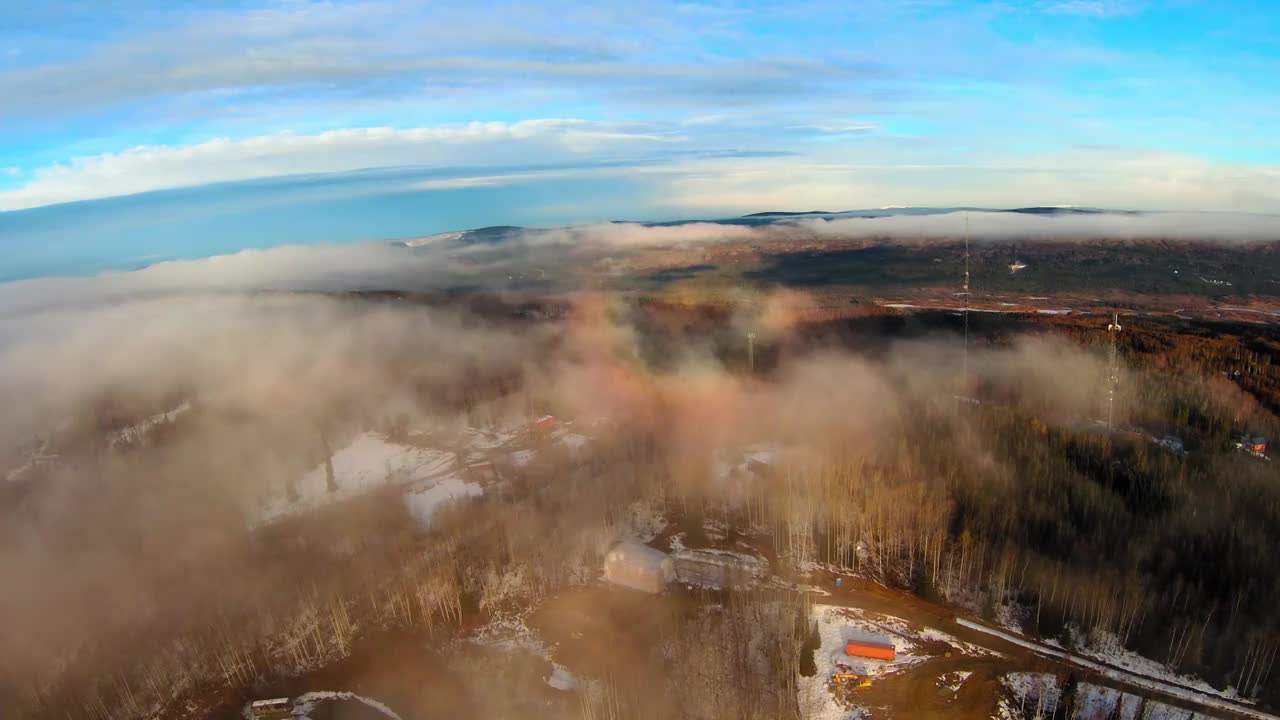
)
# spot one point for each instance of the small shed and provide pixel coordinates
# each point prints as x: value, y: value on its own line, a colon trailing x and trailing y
x: 544, y: 423
x: 639, y: 567
x: 873, y: 649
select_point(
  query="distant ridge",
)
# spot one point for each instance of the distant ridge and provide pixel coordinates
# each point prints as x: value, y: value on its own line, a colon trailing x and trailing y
x: 1052, y: 210
x: 783, y: 213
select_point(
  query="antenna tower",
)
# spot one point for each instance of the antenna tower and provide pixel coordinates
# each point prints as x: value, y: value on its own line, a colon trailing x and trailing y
x: 1114, y: 331
x: 964, y: 377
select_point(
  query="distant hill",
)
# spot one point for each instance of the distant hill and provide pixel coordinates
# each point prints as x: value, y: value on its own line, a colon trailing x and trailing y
x: 783, y: 213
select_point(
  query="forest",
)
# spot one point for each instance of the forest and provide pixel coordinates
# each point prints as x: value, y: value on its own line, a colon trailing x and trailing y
x: 140, y: 591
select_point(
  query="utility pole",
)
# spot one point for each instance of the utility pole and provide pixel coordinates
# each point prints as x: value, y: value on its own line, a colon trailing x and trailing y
x: 751, y: 352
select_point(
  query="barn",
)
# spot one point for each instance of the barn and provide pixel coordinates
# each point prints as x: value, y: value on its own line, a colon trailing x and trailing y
x: 640, y: 567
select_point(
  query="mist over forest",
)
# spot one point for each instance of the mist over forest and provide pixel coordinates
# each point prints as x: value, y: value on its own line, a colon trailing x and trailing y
x: 159, y: 421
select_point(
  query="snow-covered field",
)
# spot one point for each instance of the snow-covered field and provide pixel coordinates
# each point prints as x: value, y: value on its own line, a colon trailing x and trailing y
x: 369, y: 462
x: 423, y: 504
x: 837, y: 626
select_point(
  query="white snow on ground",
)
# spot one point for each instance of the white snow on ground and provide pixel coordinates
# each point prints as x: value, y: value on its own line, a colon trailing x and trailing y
x: 138, y: 431
x: 478, y: 439
x: 1106, y: 648
x: 1094, y: 702
x: 1212, y: 700
x: 38, y: 456
x: 953, y: 680
x: 766, y: 454
x: 561, y: 678
x: 574, y: 442
x: 838, y: 625
x: 367, y: 463
x: 304, y: 704
x: 1035, y: 695
x: 511, y: 633
x: 423, y: 504
x: 521, y: 458
x: 1011, y: 616
x: 645, y: 519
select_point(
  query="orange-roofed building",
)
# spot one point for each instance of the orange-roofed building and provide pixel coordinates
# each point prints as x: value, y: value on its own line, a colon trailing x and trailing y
x: 870, y: 649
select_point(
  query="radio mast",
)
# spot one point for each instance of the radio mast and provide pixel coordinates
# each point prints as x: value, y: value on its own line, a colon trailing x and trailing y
x: 1113, y: 368
x: 964, y: 377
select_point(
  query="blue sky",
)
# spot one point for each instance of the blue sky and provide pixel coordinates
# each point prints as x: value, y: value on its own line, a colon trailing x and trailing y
x: 249, y: 124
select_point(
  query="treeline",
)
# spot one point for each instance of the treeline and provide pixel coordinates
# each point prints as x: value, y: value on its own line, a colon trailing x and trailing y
x: 1103, y: 538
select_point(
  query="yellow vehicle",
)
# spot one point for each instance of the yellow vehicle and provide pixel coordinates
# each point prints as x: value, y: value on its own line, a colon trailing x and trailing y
x: 857, y: 680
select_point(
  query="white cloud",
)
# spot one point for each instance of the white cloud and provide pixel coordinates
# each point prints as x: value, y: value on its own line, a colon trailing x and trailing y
x: 874, y: 177
x: 1090, y: 8
x: 840, y: 126
x: 146, y: 168
x: 439, y: 261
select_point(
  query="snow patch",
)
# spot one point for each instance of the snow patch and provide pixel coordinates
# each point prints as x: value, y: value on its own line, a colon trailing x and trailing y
x: 304, y: 704
x: 953, y: 680
x: 1036, y: 695
x: 369, y: 462
x: 1215, y: 698
x: 423, y: 504
x: 561, y: 678
x: 137, y: 432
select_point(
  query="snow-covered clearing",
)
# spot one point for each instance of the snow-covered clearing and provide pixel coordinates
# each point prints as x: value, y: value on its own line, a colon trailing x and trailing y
x: 1179, y: 691
x: 423, y: 504
x: 369, y: 462
x: 909, y: 641
x: 839, y: 625
x: 836, y: 627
